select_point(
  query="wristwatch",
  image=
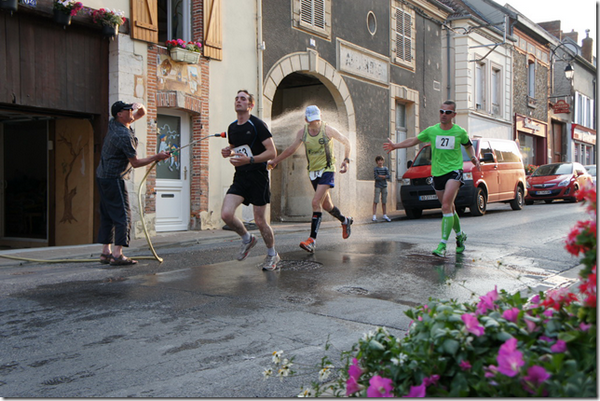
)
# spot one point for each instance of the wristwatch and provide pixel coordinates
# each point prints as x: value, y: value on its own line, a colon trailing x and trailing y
x: 347, y: 160
x: 251, y: 159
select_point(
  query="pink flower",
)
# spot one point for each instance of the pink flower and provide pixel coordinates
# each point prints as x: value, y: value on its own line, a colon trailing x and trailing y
x: 490, y: 371
x: 536, y: 375
x: 380, y: 387
x: 352, y: 386
x: 531, y: 326
x: 416, y: 391
x: 433, y: 379
x: 354, y: 370
x: 472, y: 324
x: 465, y: 365
x: 487, y: 301
x: 584, y: 327
x: 509, y: 358
x: 511, y: 314
x: 560, y: 346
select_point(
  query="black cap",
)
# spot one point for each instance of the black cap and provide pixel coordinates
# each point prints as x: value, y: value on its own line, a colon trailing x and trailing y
x: 118, y: 106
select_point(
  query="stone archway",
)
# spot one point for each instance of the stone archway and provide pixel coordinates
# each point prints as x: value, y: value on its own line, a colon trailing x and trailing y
x: 296, y: 80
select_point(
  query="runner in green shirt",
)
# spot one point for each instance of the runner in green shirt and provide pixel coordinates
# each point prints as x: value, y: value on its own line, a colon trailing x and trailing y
x: 446, y: 169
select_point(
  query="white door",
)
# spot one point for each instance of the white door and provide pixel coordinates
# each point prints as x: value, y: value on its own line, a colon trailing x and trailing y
x: 172, y: 175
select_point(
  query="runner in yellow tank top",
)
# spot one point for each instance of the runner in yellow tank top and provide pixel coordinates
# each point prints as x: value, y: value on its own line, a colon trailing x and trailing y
x: 317, y: 138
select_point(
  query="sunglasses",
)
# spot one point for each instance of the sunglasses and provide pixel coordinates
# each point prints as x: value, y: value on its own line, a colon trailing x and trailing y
x: 447, y: 112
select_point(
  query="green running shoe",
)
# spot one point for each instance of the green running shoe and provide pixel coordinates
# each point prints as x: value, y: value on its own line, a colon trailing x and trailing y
x: 440, y: 250
x: 460, y: 242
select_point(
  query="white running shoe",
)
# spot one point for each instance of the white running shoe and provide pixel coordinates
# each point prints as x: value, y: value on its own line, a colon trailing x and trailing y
x: 374, y: 218
x: 270, y: 262
x: 245, y: 248
x: 386, y: 218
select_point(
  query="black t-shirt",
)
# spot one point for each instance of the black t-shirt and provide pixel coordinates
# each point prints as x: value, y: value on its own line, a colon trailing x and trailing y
x: 252, y: 134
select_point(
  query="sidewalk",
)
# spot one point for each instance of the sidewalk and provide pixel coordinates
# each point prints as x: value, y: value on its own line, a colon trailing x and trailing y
x: 140, y: 246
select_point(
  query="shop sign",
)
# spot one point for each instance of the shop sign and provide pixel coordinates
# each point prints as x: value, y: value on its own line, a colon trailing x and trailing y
x: 561, y: 107
x: 584, y: 136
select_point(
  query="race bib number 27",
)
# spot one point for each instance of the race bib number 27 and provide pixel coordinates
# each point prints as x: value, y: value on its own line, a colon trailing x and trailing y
x: 445, y: 142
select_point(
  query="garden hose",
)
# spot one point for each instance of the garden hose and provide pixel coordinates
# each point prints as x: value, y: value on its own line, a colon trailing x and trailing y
x: 155, y: 255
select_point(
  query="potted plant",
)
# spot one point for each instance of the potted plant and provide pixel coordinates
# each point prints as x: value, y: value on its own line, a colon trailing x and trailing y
x: 64, y: 10
x: 180, y: 50
x: 9, y: 5
x: 110, y: 20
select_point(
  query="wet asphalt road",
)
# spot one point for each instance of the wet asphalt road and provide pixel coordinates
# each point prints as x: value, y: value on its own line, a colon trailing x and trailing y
x: 204, y: 325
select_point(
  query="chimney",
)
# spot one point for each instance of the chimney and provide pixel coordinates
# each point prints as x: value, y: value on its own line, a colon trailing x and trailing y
x: 552, y: 27
x: 573, y: 35
x: 587, y: 44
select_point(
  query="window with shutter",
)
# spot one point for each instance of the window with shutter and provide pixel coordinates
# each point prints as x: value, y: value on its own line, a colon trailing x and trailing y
x: 144, y: 20
x: 313, y: 16
x: 213, y: 36
x: 403, y: 31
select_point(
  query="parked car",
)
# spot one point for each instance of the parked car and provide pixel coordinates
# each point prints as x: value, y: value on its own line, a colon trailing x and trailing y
x: 557, y: 181
x: 592, y: 170
x: 501, y: 179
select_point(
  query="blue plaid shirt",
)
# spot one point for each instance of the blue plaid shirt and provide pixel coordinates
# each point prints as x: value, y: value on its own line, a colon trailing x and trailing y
x: 119, y: 145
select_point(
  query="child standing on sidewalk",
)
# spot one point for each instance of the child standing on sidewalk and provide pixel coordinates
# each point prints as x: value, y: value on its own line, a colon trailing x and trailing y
x: 381, y: 174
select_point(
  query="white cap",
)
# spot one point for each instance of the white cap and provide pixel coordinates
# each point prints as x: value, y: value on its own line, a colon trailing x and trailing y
x: 312, y: 113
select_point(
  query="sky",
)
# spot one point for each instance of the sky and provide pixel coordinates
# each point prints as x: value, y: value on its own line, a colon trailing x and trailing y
x: 577, y: 15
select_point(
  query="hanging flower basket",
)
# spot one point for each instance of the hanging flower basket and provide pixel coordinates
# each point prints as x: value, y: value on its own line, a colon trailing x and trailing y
x: 110, y: 31
x: 9, y: 5
x: 178, y: 54
x: 61, y: 18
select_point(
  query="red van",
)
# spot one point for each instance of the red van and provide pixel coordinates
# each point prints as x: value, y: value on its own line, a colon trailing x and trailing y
x: 501, y: 179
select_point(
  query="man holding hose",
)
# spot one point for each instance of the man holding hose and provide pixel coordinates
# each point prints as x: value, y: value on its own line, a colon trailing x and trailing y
x: 118, y: 157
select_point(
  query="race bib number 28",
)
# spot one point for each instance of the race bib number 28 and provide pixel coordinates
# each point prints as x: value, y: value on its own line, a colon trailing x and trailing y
x: 444, y: 142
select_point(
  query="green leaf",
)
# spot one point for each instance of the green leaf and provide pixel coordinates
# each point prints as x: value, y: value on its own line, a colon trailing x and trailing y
x: 451, y: 346
x: 376, y: 345
x: 503, y: 336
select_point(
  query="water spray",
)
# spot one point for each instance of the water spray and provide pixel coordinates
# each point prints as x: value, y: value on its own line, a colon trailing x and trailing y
x: 160, y: 260
x: 156, y: 257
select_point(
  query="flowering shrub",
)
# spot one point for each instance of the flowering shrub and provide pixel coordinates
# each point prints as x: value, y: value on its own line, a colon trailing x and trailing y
x: 530, y: 168
x: 70, y: 7
x: 504, y: 345
x: 105, y: 16
x: 182, y: 44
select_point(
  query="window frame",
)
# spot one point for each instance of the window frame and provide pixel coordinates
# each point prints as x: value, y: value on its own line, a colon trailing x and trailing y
x: 406, y: 11
x: 299, y: 23
x: 186, y: 30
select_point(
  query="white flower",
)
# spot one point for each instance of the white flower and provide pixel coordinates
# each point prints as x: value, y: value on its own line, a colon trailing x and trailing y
x: 268, y: 373
x: 367, y: 336
x: 325, y: 372
x: 306, y: 393
x: 277, y: 356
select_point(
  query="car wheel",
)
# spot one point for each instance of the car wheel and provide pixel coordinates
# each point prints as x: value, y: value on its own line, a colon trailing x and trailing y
x: 413, y: 213
x: 519, y: 201
x: 548, y: 201
x: 529, y: 202
x: 479, y: 205
x: 575, y: 192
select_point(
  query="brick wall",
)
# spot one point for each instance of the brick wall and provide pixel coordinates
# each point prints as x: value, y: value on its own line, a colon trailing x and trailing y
x: 200, y: 124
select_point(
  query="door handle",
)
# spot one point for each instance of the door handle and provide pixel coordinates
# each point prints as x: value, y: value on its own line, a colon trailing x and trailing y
x: 184, y: 173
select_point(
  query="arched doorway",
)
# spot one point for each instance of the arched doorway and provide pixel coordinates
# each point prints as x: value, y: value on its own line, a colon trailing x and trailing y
x: 287, y: 93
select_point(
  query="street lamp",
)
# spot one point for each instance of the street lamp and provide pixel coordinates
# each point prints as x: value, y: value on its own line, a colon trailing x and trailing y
x: 569, y: 72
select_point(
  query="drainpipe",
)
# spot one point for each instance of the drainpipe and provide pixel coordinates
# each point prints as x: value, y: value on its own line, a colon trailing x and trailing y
x: 259, y: 58
x: 449, y: 87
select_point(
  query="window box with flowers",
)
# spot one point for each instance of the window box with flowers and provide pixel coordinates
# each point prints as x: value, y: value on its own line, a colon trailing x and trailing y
x: 64, y: 10
x: 110, y: 20
x: 180, y: 50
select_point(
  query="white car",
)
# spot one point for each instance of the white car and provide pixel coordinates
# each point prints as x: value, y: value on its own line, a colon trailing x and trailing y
x: 592, y: 170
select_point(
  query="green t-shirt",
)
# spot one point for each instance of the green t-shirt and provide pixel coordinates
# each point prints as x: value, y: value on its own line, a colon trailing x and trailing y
x: 446, y: 155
